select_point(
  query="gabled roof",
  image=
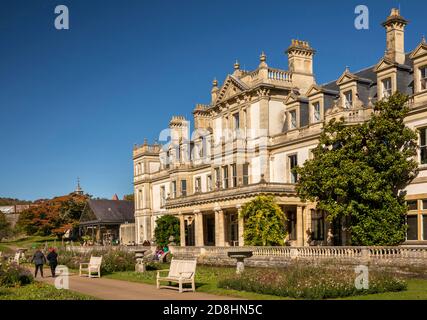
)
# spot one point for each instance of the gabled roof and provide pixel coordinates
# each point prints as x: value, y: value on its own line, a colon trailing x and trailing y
x: 348, y: 76
x: 230, y: 82
x: 420, y: 50
x: 108, y: 211
x: 314, y: 89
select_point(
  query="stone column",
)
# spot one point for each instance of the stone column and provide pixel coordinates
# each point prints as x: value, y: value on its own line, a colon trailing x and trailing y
x: 198, y: 220
x: 241, y: 226
x: 307, y: 225
x: 300, y: 227
x: 182, y: 229
x: 219, y: 228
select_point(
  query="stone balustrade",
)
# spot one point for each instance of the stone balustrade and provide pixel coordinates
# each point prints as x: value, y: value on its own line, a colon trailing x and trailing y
x: 279, y: 75
x: 278, y: 256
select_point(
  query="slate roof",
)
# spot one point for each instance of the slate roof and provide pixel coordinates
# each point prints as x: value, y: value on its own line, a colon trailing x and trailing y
x: 366, y: 74
x: 109, y: 211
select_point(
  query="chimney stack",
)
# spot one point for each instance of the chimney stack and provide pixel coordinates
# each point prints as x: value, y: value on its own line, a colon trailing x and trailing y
x: 395, y: 36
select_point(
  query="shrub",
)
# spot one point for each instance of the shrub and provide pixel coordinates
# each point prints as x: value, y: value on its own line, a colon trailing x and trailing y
x: 13, y: 275
x: 167, y: 226
x: 112, y: 260
x: 265, y: 222
x: 309, y: 282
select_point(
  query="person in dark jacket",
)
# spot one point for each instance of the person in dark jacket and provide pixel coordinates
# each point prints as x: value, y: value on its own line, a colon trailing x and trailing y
x: 52, y: 258
x: 39, y: 260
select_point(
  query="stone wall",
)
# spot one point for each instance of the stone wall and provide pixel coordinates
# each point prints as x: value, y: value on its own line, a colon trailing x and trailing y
x: 282, y: 256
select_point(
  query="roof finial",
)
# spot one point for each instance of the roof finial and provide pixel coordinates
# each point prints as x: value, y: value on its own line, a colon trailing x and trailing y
x: 236, y: 65
x: 423, y: 39
x: 215, y: 82
x: 262, y: 57
x: 347, y: 69
x: 145, y: 142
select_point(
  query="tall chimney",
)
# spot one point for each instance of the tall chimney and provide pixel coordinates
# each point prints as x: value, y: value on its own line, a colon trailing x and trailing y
x: 395, y: 35
x: 300, y: 60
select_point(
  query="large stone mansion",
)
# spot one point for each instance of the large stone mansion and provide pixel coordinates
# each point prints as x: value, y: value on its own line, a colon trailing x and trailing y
x: 260, y: 124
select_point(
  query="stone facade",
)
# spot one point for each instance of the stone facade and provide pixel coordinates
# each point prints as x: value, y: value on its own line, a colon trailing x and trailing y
x: 258, y: 125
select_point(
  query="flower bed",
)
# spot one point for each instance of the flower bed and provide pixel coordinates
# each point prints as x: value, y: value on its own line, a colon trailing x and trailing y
x: 13, y: 275
x: 310, y: 282
x: 112, y: 260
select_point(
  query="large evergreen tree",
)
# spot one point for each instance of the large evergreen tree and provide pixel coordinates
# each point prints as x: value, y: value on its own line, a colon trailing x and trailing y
x: 360, y: 171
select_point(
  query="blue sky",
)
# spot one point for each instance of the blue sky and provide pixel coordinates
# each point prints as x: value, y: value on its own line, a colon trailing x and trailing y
x: 73, y: 102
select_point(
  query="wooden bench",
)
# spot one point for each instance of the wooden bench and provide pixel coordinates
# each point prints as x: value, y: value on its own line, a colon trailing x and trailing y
x: 181, y: 272
x: 94, y: 266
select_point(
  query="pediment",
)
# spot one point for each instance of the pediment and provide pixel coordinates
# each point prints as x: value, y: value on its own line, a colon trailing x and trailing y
x: 346, y: 77
x: 291, y: 98
x: 384, y: 64
x: 419, y: 51
x: 230, y: 88
x: 314, y: 89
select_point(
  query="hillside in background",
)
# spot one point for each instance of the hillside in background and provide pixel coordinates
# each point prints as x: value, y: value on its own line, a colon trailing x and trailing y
x: 11, y: 201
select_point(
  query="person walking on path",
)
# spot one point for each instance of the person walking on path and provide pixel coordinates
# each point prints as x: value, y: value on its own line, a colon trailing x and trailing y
x: 39, y: 260
x: 52, y: 258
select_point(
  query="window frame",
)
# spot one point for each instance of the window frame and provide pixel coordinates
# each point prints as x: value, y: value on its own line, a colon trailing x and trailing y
x: 197, y: 184
x: 316, y: 105
x: 348, y: 103
x: 292, y: 124
x: 183, y: 190
x: 423, y: 145
x: 423, y: 78
x: 225, y: 177
x: 173, y: 189
x: 209, y: 183
x: 386, y: 92
x: 245, y: 177
x: 292, y: 176
x: 234, y: 175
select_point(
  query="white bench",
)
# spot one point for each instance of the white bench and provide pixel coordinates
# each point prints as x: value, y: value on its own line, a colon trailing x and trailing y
x: 181, y: 272
x: 94, y: 266
x: 16, y: 259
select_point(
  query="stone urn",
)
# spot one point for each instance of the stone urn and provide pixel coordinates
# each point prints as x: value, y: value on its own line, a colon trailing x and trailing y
x: 240, y: 256
x: 139, y: 257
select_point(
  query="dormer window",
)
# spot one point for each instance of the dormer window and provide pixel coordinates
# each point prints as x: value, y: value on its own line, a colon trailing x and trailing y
x: 292, y: 119
x: 348, y: 99
x: 423, y: 78
x: 386, y: 83
x: 316, y: 112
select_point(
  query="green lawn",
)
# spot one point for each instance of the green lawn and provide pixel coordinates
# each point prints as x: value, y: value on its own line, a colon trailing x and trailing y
x: 29, y: 242
x: 40, y: 291
x: 5, y: 249
x: 206, y: 279
x: 417, y: 290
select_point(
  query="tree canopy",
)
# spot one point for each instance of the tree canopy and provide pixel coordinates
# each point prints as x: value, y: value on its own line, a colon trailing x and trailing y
x: 264, y: 222
x: 360, y: 171
x: 53, y: 216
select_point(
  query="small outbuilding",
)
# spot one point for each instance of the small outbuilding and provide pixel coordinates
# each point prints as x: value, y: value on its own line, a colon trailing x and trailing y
x: 101, y: 220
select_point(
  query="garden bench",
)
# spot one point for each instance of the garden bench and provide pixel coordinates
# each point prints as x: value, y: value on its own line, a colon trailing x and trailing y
x: 94, y: 266
x: 16, y: 258
x: 181, y: 272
